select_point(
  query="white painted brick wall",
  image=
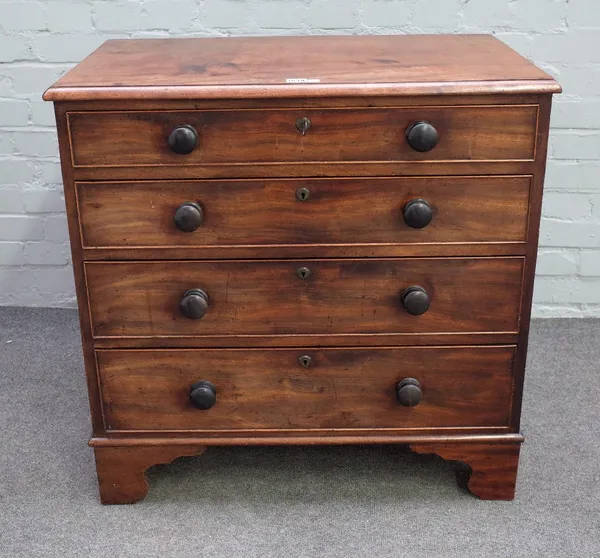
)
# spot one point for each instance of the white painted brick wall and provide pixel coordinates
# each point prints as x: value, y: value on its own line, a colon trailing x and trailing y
x: 40, y: 40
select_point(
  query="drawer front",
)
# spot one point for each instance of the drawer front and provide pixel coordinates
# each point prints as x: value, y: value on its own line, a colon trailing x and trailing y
x: 292, y: 212
x: 354, y: 388
x: 120, y: 139
x: 337, y: 297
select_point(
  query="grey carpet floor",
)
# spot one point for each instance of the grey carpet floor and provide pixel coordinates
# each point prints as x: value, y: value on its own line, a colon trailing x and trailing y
x: 293, y: 502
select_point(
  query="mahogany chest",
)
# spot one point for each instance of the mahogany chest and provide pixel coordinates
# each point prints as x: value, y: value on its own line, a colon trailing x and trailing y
x: 304, y: 240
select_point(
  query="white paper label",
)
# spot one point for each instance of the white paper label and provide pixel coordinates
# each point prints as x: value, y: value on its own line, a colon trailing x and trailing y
x: 303, y: 80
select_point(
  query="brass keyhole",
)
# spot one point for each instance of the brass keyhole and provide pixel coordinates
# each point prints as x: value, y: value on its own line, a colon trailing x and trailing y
x: 303, y: 124
x: 305, y: 361
x: 303, y: 272
x: 302, y: 194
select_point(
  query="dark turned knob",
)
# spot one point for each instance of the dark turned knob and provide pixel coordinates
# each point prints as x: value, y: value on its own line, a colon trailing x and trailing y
x: 203, y: 395
x: 417, y: 213
x: 183, y: 139
x: 415, y: 300
x: 422, y: 136
x: 188, y: 217
x: 409, y: 392
x: 194, y: 304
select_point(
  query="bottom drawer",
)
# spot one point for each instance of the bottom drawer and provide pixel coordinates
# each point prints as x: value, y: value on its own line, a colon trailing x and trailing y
x: 279, y: 389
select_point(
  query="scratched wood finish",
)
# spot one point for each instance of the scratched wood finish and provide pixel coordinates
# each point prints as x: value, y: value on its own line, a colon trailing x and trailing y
x: 246, y: 67
x: 339, y: 296
x: 122, y: 139
x: 493, y: 467
x: 258, y: 212
x: 342, y: 388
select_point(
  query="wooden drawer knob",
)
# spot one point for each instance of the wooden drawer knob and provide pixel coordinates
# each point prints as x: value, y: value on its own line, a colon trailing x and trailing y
x: 422, y: 136
x: 194, y: 304
x: 415, y: 300
x: 409, y: 392
x: 417, y: 213
x: 188, y: 217
x: 203, y: 395
x: 183, y: 139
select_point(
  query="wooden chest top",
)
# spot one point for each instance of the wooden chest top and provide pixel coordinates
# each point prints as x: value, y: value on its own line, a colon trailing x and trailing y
x: 254, y: 67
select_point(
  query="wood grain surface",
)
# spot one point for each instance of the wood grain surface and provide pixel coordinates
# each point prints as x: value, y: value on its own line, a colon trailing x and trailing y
x: 121, y: 471
x: 339, y: 297
x: 305, y: 437
x: 331, y: 169
x: 342, y: 388
x: 314, y: 340
x: 121, y: 139
x: 248, y: 67
x: 237, y: 213
x: 493, y: 467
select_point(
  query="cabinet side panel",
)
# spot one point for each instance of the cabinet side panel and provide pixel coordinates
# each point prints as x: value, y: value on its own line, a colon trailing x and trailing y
x: 78, y: 269
x: 533, y: 231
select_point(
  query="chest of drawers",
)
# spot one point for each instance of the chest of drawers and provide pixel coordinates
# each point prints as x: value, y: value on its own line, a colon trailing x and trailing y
x: 318, y: 240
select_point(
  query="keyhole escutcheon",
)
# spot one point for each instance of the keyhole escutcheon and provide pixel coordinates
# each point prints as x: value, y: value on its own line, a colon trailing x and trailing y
x: 302, y: 194
x: 303, y: 272
x: 303, y: 124
x: 305, y: 361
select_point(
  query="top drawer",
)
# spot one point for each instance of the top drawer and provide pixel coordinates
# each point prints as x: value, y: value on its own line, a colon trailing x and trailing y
x: 141, y: 138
